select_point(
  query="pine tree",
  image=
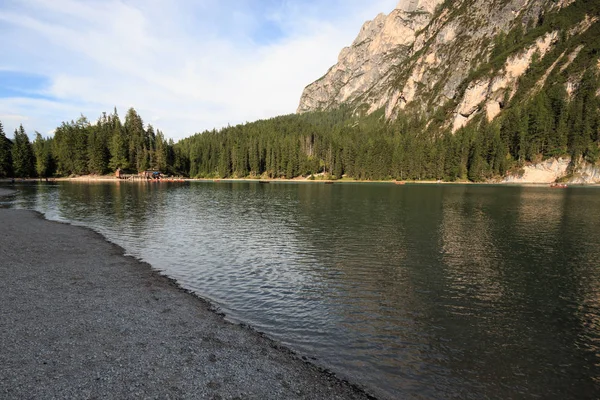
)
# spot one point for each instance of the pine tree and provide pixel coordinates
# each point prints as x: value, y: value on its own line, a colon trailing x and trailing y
x: 138, y: 141
x: 5, y: 154
x: 557, y: 144
x: 582, y: 115
x: 225, y: 161
x: 475, y: 163
x: 43, y: 157
x: 161, y: 153
x: 97, y: 151
x: 80, y: 136
x: 22, y: 155
x: 117, y: 145
x: 539, y: 126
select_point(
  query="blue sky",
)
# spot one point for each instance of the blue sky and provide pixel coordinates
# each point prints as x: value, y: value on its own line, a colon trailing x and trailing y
x: 186, y: 66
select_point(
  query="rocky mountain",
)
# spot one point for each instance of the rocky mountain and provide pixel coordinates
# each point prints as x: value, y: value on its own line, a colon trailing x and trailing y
x: 454, y: 60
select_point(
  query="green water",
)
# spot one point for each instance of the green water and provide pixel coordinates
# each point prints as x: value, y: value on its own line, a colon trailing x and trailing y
x: 436, y: 291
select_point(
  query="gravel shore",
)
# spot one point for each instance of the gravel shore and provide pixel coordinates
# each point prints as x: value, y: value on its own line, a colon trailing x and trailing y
x: 80, y: 320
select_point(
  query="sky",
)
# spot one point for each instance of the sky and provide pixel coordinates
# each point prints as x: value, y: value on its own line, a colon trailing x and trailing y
x: 185, y: 65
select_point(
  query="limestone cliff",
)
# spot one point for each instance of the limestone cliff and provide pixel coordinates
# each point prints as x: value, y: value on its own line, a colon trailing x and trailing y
x: 453, y: 58
x: 556, y: 169
x: 368, y: 64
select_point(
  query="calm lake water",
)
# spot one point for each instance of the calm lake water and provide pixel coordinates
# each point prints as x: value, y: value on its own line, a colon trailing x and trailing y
x: 415, y: 291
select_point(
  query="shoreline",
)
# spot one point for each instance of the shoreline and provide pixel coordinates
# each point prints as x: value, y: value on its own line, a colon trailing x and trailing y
x: 96, y: 178
x: 98, y: 322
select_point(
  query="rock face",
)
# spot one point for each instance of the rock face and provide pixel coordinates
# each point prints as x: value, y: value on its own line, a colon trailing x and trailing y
x: 545, y: 172
x: 370, y: 62
x: 492, y: 91
x: 554, y: 169
x: 423, y: 56
x: 586, y: 174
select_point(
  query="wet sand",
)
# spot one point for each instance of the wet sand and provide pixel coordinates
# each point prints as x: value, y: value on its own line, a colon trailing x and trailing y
x: 80, y: 320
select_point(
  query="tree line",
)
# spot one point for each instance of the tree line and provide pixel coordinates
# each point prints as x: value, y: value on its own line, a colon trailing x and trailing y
x: 332, y: 144
x: 551, y: 123
x: 80, y: 148
x: 559, y: 117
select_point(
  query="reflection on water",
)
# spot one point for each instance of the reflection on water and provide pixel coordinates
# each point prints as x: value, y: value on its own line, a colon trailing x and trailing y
x: 415, y: 291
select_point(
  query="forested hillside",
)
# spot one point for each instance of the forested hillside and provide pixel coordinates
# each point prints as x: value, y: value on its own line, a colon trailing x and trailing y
x: 551, y: 123
x: 529, y: 92
x: 332, y: 143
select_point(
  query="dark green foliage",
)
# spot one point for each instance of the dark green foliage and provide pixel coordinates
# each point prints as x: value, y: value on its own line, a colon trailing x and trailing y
x: 160, y: 161
x: 335, y: 143
x: 42, y: 149
x: 82, y: 148
x: 139, y: 141
x: 22, y: 155
x: 117, y: 144
x: 70, y: 147
x: 5, y: 154
x: 583, y: 118
x: 98, y: 140
x: 550, y: 124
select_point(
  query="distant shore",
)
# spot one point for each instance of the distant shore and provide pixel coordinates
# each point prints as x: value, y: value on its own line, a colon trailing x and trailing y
x: 112, y: 178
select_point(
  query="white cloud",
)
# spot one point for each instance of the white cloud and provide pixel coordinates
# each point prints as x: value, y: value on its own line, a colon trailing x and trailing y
x: 185, y: 67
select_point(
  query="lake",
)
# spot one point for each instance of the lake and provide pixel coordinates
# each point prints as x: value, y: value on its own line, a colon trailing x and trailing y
x: 413, y: 291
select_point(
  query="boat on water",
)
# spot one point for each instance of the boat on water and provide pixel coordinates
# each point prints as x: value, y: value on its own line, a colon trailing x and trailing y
x: 559, y: 185
x: 264, y: 182
x: 399, y: 182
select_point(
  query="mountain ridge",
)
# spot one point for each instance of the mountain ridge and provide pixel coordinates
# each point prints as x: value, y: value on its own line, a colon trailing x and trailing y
x: 424, y: 54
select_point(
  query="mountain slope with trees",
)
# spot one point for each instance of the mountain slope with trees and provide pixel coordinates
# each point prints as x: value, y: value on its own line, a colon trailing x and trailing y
x: 530, y: 93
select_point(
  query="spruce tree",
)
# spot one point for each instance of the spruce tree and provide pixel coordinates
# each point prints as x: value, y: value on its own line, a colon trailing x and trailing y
x: 97, y: 151
x: 118, y: 145
x: 43, y: 157
x: 138, y: 142
x: 5, y: 154
x: 22, y: 155
x: 161, y: 153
